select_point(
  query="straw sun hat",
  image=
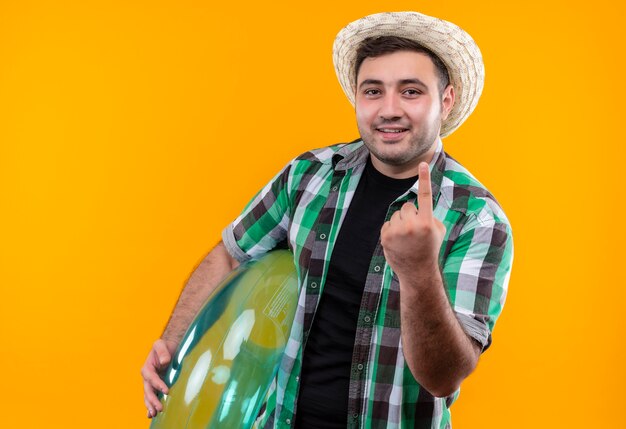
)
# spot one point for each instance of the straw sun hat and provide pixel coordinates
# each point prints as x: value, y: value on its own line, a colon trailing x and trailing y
x: 450, y: 43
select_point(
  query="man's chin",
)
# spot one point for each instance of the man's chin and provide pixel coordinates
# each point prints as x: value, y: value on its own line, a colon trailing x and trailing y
x: 399, y: 158
x: 395, y: 160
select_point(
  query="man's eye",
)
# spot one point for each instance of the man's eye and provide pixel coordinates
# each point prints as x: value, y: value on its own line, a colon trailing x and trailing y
x: 371, y: 92
x: 412, y: 92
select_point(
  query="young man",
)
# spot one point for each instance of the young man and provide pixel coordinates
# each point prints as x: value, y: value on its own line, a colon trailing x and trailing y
x: 404, y: 256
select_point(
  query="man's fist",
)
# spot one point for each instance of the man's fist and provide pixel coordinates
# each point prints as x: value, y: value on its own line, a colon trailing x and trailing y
x: 412, y: 238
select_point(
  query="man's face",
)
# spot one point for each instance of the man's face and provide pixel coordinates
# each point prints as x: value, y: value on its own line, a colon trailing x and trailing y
x: 399, y: 110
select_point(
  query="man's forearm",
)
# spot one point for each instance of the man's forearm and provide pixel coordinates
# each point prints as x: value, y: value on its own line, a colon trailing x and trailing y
x: 436, y: 348
x: 205, y: 278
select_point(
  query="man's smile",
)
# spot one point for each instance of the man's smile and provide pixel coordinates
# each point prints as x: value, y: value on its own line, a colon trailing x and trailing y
x: 392, y: 133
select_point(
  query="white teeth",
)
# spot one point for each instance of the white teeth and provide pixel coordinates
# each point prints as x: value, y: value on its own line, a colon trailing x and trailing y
x: 386, y: 130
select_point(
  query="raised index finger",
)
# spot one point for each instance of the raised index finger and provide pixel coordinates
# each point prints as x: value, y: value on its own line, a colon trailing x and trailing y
x: 424, y: 191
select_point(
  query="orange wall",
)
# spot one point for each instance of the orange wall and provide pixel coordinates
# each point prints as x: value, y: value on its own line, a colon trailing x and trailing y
x: 132, y: 132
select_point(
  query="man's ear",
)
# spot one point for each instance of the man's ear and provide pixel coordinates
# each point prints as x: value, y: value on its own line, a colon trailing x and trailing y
x: 447, y: 101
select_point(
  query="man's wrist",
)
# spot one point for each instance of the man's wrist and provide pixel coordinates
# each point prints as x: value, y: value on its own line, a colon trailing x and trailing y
x: 424, y: 272
x: 171, y: 343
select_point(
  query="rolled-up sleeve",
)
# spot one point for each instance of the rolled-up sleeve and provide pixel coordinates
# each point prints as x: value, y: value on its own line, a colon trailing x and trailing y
x: 476, y: 275
x: 263, y: 222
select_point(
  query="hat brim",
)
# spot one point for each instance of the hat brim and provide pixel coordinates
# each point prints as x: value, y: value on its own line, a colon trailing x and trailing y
x: 456, y: 49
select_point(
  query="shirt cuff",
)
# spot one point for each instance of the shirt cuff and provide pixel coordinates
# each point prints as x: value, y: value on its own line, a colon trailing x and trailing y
x: 475, y: 329
x: 228, y: 238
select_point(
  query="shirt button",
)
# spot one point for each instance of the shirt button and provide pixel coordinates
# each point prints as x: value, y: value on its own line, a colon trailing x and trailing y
x: 288, y: 421
x: 355, y: 416
x: 334, y: 189
x: 360, y: 367
x: 367, y: 318
x: 313, y: 285
x: 297, y: 378
x: 322, y: 236
x: 377, y: 268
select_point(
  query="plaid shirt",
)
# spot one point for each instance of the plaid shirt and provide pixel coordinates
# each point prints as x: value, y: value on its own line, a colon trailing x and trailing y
x: 304, y: 206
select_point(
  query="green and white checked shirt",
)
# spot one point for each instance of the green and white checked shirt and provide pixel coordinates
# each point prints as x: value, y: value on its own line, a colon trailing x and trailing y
x: 304, y: 206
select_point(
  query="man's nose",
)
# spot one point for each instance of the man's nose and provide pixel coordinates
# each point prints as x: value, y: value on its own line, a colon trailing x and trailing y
x: 391, y: 108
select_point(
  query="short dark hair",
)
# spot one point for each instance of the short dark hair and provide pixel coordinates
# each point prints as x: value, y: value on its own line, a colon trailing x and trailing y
x: 373, y: 47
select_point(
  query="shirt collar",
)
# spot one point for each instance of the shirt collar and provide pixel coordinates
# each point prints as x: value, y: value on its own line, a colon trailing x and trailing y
x: 350, y: 155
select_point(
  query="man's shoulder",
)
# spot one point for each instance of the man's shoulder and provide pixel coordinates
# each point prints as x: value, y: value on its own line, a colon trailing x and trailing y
x: 463, y: 192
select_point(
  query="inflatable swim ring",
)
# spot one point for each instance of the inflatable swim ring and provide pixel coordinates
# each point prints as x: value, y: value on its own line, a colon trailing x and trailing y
x: 229, y: 356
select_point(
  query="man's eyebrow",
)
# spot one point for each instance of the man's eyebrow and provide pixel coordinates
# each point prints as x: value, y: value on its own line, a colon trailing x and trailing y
x: 371, y: 82
x: 412, y: 81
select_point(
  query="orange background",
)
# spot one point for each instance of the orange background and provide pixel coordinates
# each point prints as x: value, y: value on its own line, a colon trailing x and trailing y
x: 132, y: 132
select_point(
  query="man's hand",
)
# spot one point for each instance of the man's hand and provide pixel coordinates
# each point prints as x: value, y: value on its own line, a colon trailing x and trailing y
x: 157, y: 361
x: 412, y: 238
x: 438, y: 352
x: 203, y: 281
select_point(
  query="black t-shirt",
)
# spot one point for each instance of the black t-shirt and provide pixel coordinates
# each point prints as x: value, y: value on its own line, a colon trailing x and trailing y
x: 327, y: 356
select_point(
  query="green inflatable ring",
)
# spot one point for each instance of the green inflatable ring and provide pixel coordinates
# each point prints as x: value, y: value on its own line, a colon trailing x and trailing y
x: 229, y: 356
